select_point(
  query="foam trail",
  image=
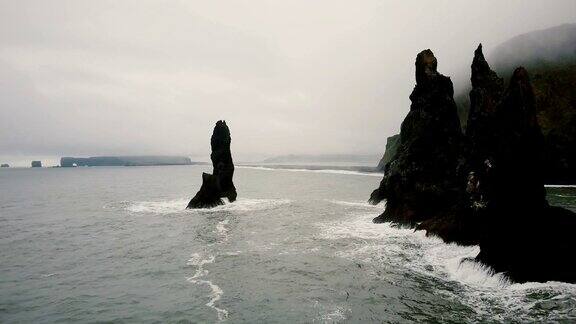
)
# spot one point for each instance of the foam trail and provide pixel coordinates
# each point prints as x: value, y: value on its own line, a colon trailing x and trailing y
x: 560, y: 186
x: 199, y: 261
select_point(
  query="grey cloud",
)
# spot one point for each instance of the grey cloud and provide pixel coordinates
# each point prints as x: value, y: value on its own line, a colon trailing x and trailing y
x: 151, y: 77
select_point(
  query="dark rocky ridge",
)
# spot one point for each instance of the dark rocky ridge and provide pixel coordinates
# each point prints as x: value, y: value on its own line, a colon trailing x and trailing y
x: 494, y: 191
x: 219, y: 184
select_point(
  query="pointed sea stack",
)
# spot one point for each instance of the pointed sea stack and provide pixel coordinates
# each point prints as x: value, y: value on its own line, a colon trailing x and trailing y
x: 219, y: 184
x: 420, y: 181
x: 486, y: 93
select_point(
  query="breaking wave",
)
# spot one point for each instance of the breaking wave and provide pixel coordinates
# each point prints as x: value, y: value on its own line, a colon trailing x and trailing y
x: 479, y: 286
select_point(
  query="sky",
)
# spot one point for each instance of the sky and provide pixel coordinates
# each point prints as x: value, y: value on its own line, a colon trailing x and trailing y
x: 86, y: 78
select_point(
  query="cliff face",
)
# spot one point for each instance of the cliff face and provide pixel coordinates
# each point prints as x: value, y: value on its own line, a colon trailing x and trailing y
x: 555, y: 92
x: 421, y: 180
x: 392, y: 143
x: 219, y: 184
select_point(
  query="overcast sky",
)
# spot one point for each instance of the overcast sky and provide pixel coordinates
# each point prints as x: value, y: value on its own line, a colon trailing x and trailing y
x: 100, y: 77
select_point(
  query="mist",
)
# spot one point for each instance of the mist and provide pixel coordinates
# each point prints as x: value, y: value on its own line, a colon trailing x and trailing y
x: 84, y: 78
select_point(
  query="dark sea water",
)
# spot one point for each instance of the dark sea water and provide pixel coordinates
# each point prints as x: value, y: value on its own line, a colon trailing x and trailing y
x: 116, y: 245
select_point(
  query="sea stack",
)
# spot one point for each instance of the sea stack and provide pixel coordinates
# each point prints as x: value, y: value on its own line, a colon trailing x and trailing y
x: 486, y: 188
x: 420, y: 181
x: 219, y: 184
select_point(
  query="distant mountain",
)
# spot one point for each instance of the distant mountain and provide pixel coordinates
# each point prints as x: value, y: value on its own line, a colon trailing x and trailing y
x: 540, y: 50
x: 323, y: 158
x: 549, y: 55
x: 125, y: 161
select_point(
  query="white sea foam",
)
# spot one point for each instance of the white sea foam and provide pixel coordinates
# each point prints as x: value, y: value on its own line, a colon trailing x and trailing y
x: 331, y: 171
x: 179, y: 206
x: 482, y: 288
x: 199, y: 261
x: 560, y: 186
x: 222, y: 229
x: 360, y: 204
x: 331, y: 313
x: 158, y: 207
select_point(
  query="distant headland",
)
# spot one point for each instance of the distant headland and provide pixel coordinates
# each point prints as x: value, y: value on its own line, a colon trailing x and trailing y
x: 147, y: 160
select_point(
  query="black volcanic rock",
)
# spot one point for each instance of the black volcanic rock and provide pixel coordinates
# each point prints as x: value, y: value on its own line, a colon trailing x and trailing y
x: 497, y: 193
x: 521, y: 234
x: 486, y: 93
x: 219, y: 184
x: 421, y: 180
x: 36, y: 164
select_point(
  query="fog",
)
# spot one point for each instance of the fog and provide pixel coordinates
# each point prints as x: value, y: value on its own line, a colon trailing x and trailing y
x: 81, y: 78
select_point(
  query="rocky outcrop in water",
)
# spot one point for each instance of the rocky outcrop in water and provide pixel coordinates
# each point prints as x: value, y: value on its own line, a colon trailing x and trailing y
x: 36, y: 164
x: 219, y: 184
x: 493, y: 191
x: 421, y: 180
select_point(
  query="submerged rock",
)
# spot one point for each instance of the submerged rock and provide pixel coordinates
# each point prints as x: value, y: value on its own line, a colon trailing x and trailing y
x: 219, y: 184
x: 420, y: 181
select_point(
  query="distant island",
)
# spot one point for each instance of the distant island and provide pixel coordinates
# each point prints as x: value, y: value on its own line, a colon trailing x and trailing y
x: 126, y: 161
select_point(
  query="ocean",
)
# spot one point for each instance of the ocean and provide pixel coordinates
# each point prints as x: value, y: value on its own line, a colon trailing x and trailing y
x: 115, y: 244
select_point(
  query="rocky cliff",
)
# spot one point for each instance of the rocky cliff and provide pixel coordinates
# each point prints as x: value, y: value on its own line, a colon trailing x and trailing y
x: 486, y: 188
x: 392, y: 143
x: 219, y: 184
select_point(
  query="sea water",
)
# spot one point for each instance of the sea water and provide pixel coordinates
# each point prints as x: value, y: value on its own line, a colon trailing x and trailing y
x: 115, y: 244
